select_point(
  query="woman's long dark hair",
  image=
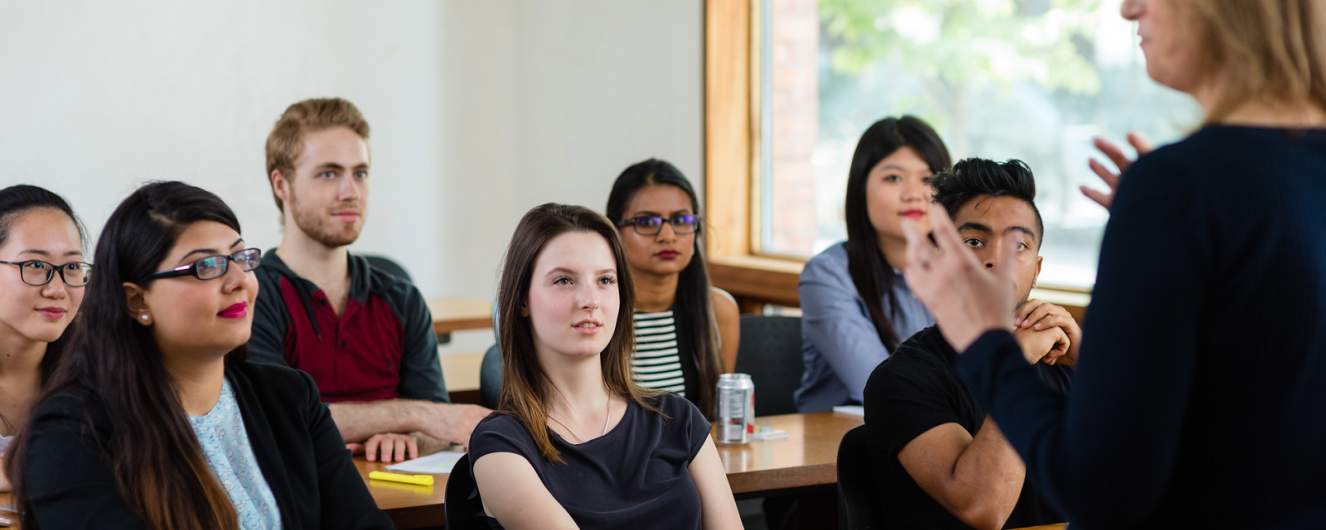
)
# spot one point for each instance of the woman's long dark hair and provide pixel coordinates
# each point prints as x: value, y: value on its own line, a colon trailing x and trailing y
x: 157, y: 462
x: 692, y: 302
x: 18, y: 199
x: 525, y: 384
x: 869, y: 269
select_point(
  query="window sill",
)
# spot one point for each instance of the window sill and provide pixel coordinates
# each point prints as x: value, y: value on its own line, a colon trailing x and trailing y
x: 756, y: 281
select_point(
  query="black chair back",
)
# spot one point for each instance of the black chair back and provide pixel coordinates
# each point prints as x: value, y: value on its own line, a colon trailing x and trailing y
x: 462, y: 507
x: 490, y: 377
x: 770, y: 352
x: 856, y: 509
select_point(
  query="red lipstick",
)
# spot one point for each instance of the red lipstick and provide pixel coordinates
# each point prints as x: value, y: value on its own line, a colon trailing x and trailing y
x: 236, y: 310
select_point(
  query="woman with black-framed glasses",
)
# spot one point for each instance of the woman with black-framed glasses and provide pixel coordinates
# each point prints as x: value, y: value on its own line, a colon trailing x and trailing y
x: 212, y: 267
x: 686, y: 330
x: 41, y: 289
x: 154, y: 419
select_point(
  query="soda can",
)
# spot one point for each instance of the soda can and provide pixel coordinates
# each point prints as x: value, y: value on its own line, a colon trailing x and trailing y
x: 736, y: 408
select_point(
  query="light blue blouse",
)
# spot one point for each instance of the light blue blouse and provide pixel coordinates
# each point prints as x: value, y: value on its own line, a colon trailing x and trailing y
x: 839, y: 344
x: 226, y: 446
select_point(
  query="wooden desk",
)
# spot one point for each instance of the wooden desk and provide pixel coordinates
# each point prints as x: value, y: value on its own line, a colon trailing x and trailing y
x: 458, y: 314
x: 807, y: 457
x: 408, y: 506
x: 13, y: 517
x: 460, y: 370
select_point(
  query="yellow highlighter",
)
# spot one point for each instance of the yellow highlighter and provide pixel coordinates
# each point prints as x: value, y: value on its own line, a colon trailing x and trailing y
x: 418, y: 480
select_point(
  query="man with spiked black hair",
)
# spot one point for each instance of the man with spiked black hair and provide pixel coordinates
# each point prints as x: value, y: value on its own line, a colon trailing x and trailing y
x: 940, y: 462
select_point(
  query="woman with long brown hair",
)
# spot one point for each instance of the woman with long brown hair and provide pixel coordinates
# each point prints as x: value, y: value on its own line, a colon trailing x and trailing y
x: 153, y: 420
x: 575, y: 442
x: 1201, y: 380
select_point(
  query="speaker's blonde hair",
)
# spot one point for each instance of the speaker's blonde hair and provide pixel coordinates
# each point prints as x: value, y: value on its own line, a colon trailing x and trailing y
x: 1272, y: 51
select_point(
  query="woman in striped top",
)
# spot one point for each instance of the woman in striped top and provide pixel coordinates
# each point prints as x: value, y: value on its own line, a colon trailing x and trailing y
x: 686, y: 330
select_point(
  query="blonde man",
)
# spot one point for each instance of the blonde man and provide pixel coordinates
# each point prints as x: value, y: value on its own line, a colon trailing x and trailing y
x: 364, y: 335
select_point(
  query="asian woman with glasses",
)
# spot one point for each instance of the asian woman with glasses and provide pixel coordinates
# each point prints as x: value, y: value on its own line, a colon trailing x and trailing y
x: 42, y: 274
x: 153, y: 419
x: 686, y: 330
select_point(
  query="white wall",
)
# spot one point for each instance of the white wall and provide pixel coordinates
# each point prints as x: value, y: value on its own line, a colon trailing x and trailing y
x: 97, y: 97
x: 553, y: 100
x: 480, y: 109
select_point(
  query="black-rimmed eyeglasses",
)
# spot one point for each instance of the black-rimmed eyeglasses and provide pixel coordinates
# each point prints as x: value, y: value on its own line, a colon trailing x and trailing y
x: 212, y: 267
x: 651, y: 225
x: 37, y: 273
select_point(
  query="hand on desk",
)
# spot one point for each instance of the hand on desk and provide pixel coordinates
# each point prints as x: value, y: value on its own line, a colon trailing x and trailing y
x: 391, y: 447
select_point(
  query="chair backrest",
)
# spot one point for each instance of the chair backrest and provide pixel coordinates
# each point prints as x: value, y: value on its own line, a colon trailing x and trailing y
x: 496, y: 320
x: 462, y: 507
x: 388, y: 266
x: 490, y: 377
x: 856, y: 509
x: 770, y: 352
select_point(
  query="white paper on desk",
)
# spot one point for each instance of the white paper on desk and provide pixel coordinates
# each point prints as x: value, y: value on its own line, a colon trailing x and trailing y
x: 439, y: 463
x: 855, y: 410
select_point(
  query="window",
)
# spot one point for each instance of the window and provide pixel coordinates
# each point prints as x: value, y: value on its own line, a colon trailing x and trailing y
x: 1028, y: 79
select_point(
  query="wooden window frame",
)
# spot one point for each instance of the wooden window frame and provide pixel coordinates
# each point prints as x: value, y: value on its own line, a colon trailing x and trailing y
x: 731, y: 158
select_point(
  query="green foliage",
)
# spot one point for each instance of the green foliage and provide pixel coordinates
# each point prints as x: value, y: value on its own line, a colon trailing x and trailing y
x: 952, y: 43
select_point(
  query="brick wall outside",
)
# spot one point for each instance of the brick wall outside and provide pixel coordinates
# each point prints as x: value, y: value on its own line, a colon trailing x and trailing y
x: 794, y: 69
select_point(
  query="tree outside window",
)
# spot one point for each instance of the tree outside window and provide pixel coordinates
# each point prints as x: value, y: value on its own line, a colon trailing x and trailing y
x: 1028, y: 79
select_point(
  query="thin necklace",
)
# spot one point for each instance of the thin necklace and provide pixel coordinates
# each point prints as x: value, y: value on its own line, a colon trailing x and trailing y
x: 606, y: 408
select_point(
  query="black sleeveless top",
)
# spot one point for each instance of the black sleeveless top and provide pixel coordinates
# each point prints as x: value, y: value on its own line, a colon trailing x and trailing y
x: 636, y: 476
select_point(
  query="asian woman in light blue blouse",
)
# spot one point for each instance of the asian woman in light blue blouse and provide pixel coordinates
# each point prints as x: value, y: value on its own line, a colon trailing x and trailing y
x: 856, y: 308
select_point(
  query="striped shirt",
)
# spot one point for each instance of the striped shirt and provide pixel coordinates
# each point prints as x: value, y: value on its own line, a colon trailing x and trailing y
x: 656, y: 363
